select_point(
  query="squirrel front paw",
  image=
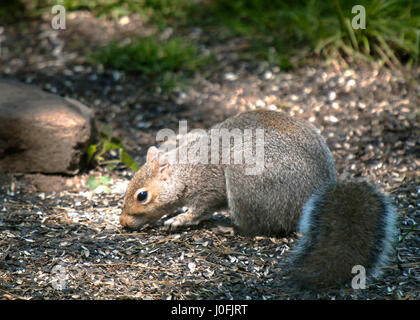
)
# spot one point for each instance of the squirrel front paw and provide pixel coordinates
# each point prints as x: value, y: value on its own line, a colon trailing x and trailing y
x: 183, y: 219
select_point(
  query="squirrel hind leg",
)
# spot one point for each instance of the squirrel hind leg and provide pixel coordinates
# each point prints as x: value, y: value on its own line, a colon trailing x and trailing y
x: 343, y: 226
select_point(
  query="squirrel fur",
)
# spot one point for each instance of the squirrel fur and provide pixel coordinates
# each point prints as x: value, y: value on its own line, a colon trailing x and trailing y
x: 342, y: 224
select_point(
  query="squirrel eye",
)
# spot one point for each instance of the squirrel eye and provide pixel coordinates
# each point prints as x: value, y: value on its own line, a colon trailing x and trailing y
x: 142, y: 196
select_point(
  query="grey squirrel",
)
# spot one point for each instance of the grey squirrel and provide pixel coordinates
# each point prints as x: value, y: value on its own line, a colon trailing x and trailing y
x: 342, y: 224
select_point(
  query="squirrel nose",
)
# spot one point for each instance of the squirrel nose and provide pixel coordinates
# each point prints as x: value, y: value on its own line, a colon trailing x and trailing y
x: 130, y: 221
x: 124, y: 220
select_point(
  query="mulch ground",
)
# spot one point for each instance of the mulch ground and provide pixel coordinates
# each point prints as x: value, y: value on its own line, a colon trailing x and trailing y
x: 68, y: 244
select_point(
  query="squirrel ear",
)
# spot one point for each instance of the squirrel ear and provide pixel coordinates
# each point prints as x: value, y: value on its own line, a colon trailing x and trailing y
x: 164, y: 171
x: 152, y: 153
x: 163, y: 166
x: 160, y: 162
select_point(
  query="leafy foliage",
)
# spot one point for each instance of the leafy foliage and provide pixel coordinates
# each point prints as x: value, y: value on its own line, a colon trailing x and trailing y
x: 165, y: 62
x: 99, y: 184
x: 283, y: 33
x: 100, y: 152
x: 279, y: 30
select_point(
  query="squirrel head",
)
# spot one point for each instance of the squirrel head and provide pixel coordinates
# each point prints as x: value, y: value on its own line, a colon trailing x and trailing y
x: 150, y: 194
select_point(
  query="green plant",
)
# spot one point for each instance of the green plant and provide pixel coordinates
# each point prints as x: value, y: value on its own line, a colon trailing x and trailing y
x: 99, y: 152
x: 10, y: 10
x: 99, y: 184
x: 391, y: 33
x: 162, y: 62
x: 264, y: 25
x: 281, y: 31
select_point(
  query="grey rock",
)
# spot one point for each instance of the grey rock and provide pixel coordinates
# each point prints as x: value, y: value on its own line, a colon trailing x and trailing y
x: 41, y: 132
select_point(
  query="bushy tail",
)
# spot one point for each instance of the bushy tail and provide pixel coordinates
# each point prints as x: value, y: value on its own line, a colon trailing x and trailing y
x: 343, y: 226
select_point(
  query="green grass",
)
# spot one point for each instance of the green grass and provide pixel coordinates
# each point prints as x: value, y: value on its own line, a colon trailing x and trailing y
x: 10, y: 10
x: 392, y: 32
x: 281, y: 30
x: 167, y: 63
x: 158, y: 12
x: 283, y: 33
